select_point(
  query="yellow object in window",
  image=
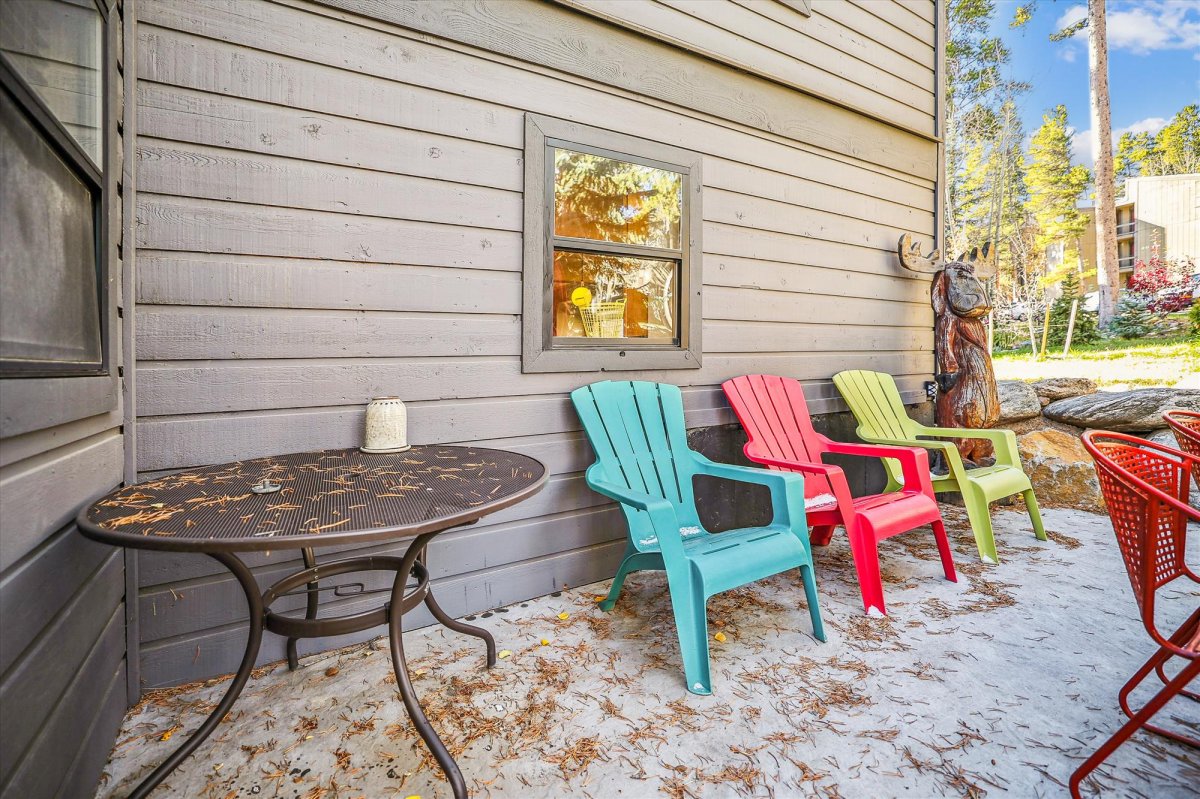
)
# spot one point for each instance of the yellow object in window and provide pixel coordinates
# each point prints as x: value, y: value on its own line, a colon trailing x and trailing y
x: 581, y: 297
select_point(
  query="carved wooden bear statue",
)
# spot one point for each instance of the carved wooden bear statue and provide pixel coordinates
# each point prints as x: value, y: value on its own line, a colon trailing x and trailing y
x: 967, y: 395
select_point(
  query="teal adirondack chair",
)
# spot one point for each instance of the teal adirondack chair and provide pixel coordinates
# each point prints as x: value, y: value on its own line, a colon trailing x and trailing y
x: 876, y: 404
x: 643, y: 462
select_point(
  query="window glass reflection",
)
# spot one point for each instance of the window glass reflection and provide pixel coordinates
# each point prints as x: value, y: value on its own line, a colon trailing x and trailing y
x: 608, y: 296
x: 605, y: 199
x: 55, y: 46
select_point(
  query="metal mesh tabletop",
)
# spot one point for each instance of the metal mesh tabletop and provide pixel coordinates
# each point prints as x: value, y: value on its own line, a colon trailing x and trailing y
x: 325, y: 498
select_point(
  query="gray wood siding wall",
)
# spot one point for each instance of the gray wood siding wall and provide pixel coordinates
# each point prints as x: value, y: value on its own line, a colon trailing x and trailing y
x: 329, y: 208
x: 869, y: 56
x: 62, y: 597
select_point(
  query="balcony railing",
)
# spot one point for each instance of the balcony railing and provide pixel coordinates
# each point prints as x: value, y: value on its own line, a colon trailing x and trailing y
x: 1125, y: 263
x: 1126, y: 228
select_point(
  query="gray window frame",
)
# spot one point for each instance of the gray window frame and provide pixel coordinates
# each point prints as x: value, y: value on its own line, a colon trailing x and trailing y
x: 540, y: 351
x: 41, y: 399
x: 96, y: 177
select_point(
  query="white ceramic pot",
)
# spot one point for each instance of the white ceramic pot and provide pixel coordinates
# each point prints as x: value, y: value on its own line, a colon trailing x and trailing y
x: 386, y: 426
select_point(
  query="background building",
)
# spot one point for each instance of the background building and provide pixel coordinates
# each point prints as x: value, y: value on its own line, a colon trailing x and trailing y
x: 1154, y: 211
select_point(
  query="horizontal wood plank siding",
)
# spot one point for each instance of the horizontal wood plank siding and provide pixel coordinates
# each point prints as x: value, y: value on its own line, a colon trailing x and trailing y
x: 330, y: 208
x: 813, y: 54
x: 63, y: 657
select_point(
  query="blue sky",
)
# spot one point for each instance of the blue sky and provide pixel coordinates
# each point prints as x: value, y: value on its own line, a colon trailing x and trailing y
x: 1153, y: 63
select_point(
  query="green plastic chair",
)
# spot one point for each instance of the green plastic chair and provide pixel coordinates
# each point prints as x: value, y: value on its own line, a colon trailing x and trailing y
x: 643, y: 462
x: 876, y: 404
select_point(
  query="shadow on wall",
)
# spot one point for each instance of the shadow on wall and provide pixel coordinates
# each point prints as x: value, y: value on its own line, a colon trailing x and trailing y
x: 726, y: 505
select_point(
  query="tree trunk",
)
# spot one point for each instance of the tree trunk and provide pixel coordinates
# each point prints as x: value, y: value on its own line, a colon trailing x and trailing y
x: 1107, y: 267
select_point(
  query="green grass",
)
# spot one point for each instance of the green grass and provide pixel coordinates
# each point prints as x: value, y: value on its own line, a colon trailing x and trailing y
x: 1111, y: 362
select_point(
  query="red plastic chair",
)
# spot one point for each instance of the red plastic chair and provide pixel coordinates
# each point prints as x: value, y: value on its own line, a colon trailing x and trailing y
x: 1145, y: 486
x: 1186, y: 426
x: 781, y: 436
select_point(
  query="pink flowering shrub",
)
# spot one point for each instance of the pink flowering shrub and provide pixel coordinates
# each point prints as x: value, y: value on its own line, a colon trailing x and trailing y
x: 1164, y: 285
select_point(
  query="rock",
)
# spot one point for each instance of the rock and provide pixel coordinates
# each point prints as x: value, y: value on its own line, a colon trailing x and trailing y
x: 1017, y: 401
x: 1165, y: 436
x: 1122, y: 411
x: 1042, y: 423
x: 1061, y: 470
x: 1057, y: 388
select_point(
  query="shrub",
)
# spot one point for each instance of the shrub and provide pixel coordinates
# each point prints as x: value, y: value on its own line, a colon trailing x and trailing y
x: 1163, y: 284
x: 1133, y: 318
x: 1087, y: 329
x: 1194, y: 317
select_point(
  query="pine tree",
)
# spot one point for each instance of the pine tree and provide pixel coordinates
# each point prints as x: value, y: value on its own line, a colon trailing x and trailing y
x: 1054, y: 185
x: 1179, y: 142
x: 1174, y: 150
x: 981, y: 124
x: 1133, y: 319
x: 1086, y: 328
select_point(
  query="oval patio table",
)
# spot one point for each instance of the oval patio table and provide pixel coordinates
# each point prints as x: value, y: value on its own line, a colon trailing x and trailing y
x: 319, y: 499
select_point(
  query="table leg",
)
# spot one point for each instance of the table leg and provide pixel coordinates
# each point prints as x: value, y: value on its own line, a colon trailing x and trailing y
x: 310, y: 610
x: 254, y: 601
x: 415, y: 712
x: 454, y: 624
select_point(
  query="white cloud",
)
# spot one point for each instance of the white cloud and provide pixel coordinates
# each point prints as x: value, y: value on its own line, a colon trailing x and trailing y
x: 1142, y: 26
x: 1081, y: 142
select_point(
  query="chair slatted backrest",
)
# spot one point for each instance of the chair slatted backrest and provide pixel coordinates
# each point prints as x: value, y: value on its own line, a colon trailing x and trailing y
x: 775, y: 416
x: 876, y: 404
x: 637, y: 431
x: 1186, y: 425
x: 1150, y: 531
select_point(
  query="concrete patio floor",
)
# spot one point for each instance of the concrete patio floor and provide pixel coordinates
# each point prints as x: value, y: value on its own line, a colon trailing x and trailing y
x: 998, y: 685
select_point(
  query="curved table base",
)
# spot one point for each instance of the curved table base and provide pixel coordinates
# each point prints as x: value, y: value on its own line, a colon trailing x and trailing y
x: 250, y: 587
x: 403, y: 599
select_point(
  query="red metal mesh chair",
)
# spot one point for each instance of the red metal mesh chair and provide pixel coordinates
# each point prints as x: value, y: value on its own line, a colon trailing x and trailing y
x: 1186, y: 425
x: 1145, y: 486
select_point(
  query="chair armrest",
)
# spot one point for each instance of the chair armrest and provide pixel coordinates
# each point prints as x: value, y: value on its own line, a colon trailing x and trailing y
x: 1005, y: 441
x: 833, y: 474
x: 949, y: 451
x: 628, y: 496
x: 805, y: 467
x: 914, y: 461
x: 662, y: 512
x: 787, y: 488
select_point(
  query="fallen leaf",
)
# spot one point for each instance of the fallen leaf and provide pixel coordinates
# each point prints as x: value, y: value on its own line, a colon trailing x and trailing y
x: 720, y: 637
x: 503, y: 654
x: 166, y: 736
x: 332, y: 671
x: 564, y: 615
x: 600, y: 598
x: 545, y: 642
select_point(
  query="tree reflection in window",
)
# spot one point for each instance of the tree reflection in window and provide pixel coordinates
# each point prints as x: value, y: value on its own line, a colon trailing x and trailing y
x: 621, y: 294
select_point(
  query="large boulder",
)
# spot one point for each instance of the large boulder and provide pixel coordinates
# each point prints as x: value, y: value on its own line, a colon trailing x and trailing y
x: 1017, y: 401
x: 1042, y: 423
x: 1057, y: 388
x: 1164, y: 436
x: 1123, y: 411
x: 1061, y: 470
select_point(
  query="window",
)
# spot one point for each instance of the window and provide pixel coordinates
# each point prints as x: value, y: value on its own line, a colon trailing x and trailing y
x: 51, y: 187
x: 612, y: 245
